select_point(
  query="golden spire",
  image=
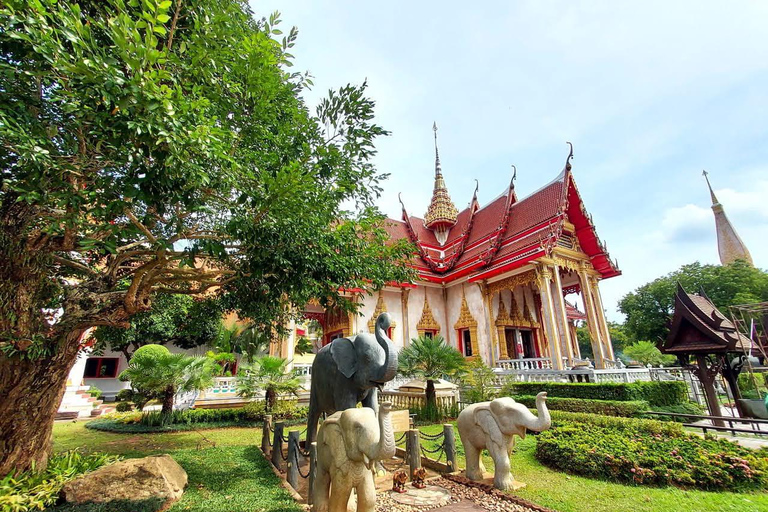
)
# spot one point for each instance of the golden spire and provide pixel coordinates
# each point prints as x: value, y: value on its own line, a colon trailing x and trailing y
x: 729, y: 244
x: 442, y: 213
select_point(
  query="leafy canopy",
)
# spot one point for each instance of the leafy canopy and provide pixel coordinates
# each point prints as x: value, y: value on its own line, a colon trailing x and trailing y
x: 646, y: 352
x: 430, y: 359
x: 156, y: 147
x: 154, y: 369
x: 649, y: 307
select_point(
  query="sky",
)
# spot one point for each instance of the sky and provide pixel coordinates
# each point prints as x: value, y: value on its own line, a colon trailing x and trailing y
x: 650, y: 93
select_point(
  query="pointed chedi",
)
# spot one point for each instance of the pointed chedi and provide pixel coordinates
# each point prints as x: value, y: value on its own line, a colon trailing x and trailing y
x: 442, y: 213
x: 729, y: 244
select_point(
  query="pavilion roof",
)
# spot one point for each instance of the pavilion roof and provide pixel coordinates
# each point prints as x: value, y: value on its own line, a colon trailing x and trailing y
x: 505, y: 234
x: 698, y: 327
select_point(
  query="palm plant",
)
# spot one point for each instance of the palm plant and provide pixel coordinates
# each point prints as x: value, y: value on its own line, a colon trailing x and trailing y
x: 430, y: 359
x: 155, y: 370
x: 268, y: 373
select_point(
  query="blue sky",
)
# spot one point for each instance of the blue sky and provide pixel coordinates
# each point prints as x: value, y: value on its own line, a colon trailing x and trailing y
x: 650, y: 93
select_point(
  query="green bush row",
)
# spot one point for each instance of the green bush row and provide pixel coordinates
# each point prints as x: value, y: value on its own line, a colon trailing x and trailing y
x: 627, y: 409
x: 655, y: 393
x: 641, y: 457
x: 649, y: 426
x: 36, y: 490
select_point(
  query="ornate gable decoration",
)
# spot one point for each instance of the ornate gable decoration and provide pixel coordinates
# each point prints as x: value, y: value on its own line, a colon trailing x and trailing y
x: 465, y: 316
x: 513, y: 319
x: 381, y: 307
x: 427, y: 321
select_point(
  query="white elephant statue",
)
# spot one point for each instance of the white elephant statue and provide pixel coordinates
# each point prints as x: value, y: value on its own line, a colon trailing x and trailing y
x: 348, y: 444
x: 491, y: 426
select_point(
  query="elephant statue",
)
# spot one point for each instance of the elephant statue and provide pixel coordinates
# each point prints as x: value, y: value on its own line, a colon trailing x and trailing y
x: 491, y: 426
x: 351, y: 370
x: 348, y: 444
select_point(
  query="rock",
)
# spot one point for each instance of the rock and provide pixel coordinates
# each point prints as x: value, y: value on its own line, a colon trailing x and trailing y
x: 158, y: 476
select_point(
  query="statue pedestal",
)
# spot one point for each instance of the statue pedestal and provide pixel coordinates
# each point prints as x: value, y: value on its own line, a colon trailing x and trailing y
x: 488, y: 479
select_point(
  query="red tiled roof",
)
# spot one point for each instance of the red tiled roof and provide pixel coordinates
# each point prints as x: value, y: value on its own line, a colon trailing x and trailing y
x: 480, y: 241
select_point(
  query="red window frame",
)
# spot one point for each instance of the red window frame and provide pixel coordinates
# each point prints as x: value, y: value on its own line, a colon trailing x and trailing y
x: 430, y: 333
x: 99, y: 365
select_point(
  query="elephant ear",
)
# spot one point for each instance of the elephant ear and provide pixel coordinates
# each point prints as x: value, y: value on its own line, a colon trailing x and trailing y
x: 506, y: 415
x: 344, y: 355
x: 486, y: 420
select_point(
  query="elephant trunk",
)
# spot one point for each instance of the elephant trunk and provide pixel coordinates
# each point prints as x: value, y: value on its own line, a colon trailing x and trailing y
x: 389, y: 368
x: 544, y: 421
x: 385, y: 449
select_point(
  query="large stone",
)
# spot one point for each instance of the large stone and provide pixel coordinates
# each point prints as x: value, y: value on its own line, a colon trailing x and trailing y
x: 158, y: 476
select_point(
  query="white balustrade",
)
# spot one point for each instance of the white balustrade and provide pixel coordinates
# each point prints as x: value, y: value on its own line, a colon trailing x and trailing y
x: 531, y: 363
x: 413, y: 400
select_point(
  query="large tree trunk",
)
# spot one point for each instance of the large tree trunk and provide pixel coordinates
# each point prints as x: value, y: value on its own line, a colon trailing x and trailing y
x: 30, y: 394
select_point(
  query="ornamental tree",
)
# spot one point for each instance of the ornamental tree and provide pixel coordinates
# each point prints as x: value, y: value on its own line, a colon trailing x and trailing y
x: 431, y: 359
x: 269, y: 374
x: 650, y: 306
x: 163, y: 146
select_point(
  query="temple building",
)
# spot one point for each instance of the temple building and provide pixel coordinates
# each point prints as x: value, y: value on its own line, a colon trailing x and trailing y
x: 729, y: 244
x: 492, y: 279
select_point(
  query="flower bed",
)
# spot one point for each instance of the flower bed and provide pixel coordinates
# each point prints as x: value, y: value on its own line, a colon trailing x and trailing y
x: 635, y: 455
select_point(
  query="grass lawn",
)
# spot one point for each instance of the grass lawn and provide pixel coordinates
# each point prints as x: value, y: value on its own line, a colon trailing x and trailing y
x: 227, y: 473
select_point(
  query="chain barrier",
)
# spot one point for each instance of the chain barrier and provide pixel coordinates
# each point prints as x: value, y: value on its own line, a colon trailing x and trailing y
x: 426, y: 450
x: 400, y: 439
x: 285, y: 439
x: 298, y: 467
x: 284, y: 457
x: 431, y: 437
x: 394, y: 467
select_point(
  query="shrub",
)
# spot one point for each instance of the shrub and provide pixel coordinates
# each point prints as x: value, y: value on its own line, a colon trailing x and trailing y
x: 608, y: 407
x: 123, y: 407
x: 684, y: 408
x: 655, y: 393
x: 747, y: 385
x: 33, y: 490
x: 95, y: 392
x: 641, y: 457
x: 649, y: 426
x: 139, y: 399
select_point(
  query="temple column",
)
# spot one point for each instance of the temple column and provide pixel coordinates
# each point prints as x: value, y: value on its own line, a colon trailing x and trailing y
x: 404, y: 292
x: 607, y: 345
x: 562, y: 315
x: 548, y: 318
x: 488, y: 300
x: 593, y: 325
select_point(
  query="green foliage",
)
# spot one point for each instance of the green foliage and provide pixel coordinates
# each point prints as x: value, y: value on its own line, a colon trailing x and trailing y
x: 95, y: 392
x: 173, y: 319
x: 138, y: 398
x: 123, y: 407
x: 478, y: 383
x: 638, y: 457
x: 429, y: 414
x: 627, y: 409
x: 646, y: 352
x: 655, y: 393
x: 753, y: 387
x: 683, y: 408
x: 431, y: 359
x: 36, y: 490
x: 650, y: 426
x: 155, y: 370
x: 268, y: 374
x: 649, y: 307
x: 303, y: 346
x: 619, y: 339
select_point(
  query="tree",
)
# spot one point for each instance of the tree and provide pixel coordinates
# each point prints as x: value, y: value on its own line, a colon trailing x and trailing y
x: 649, y: 307
x: 155, y: 371
x: 430, y: 359
x: 619, y: 339
x: 177, y: 319
x: 646, y: 352
x: 480, y: 382
x: 157, y: 146
x: 268, y: 374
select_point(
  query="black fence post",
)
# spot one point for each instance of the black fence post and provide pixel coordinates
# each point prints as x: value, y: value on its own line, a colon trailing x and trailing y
x: 413, y: 449
x: 266, y: 429
x: 277, y: 444
x: 449, y: 440
x: 312, y: 472
x: 293, y: 459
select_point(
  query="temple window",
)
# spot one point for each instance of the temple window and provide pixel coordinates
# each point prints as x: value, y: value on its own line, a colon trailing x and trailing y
x: 466, y: 342
x: 101, y: 368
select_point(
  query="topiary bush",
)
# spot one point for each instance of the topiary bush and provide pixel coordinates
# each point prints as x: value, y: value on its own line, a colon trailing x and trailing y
x: 632, y: 455
x: 649, y: 426
x: 123, y: 407
x: 627, y: 409
x: 655, y: 393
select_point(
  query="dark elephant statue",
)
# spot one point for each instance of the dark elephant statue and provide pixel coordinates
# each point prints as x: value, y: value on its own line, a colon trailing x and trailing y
x: 351, y: 370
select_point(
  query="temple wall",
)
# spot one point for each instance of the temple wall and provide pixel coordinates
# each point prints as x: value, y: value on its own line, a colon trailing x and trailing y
x: 476, y: 305
x: 393, y: 306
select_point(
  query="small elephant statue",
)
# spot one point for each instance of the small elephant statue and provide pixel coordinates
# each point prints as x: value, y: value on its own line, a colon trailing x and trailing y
x: 348, y: 444
x: 419, y: 475
x: 351, y: 370
x: 399, y: 478
x: 491, y: 426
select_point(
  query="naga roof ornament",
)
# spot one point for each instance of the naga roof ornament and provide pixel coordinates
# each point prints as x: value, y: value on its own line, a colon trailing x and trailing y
x: 442, y: 214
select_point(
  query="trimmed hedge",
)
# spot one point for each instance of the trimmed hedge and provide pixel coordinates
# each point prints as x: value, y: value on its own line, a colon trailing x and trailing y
x: 641, y: 457
x: 653, y: 427
x: 655, y: 393
x: 608, y: 407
